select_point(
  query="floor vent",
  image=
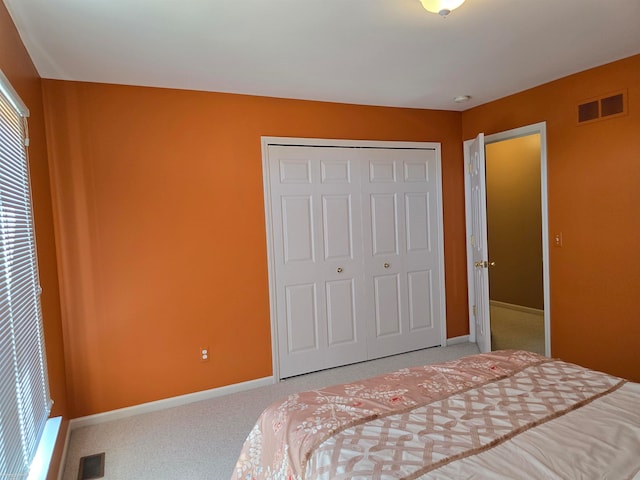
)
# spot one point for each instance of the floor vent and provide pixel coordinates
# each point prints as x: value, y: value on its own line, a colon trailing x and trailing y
x: 91, y: 466
x: 603, y: 107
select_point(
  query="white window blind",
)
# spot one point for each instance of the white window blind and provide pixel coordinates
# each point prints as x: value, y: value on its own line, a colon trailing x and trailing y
x: 24, y: 391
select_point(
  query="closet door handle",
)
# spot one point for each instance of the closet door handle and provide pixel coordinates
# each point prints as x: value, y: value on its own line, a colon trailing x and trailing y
x: 386, y: 265
x: 339, y: 270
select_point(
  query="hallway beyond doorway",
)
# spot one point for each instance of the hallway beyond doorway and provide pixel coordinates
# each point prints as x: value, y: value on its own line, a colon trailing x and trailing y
x: 514, y: 327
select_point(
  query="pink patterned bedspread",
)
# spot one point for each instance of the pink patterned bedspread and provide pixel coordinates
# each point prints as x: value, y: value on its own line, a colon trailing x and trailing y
x: 289, y: 432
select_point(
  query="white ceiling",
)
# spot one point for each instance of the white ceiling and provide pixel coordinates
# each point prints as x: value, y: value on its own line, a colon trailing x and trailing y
x: 373, y: 52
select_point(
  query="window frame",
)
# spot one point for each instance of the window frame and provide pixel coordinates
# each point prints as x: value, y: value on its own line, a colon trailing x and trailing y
x: 25, y: 398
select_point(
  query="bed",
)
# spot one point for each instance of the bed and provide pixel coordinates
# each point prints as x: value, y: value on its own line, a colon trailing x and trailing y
x: 501, y: 415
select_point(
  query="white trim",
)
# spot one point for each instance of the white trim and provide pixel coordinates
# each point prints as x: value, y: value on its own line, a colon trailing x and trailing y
x: 167, y: 403
x: 518, y: 308
x: 324, y: 142
x: 271, y: 266
x: 331, y: 142
x: 541, y: 129
x: 457, y: 340
x: 63, y: 458
x: 536, y: 128
x: 440, y: 223
x: 39, y: 469
x: 12, y: 95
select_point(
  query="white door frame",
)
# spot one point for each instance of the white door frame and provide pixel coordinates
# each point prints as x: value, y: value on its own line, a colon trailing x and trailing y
x: 539, y: 128
x: 266, y: 141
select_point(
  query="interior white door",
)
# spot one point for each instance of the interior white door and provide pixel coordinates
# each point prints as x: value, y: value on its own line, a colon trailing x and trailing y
x: 477, y: 237
x: 318, y: 256
x: 401, y: 200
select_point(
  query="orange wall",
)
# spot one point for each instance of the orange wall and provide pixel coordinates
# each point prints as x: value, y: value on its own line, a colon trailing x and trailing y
x: 19, y: 70
x: 159, y: 206
x: 594, y: 199
x: 159, y: 212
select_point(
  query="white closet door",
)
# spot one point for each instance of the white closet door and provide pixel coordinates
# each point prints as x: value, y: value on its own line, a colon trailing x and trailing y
x: 402, y: 236
x: 355, y: 247
x: 318, y: 258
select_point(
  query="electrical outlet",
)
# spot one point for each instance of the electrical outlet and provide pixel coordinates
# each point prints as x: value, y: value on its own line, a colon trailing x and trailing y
x: 204, y: 354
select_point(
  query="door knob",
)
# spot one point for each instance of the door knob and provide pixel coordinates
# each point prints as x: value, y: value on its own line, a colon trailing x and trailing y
x: 386, y: 265
x: 484, y: 264
x: 339, y: 270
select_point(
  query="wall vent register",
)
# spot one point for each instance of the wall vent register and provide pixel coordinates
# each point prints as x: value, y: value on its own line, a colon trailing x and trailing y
x: 603, y: 107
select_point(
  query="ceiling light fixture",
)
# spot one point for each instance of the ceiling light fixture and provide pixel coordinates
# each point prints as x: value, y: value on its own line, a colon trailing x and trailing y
x: 462, y: 98
x: 441, y: 7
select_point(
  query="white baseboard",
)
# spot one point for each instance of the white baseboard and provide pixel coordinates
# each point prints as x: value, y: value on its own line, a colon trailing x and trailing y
x: 519, y: 308
x: 457, y: 340
x: 167, y: 403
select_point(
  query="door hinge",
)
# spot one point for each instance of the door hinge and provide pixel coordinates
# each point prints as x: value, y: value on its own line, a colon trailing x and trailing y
x: 469, y: 168
x: 472, y: 239
x: 475, y: 311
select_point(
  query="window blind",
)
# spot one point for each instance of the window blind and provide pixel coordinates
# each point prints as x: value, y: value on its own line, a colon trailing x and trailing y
x: 24, y: 390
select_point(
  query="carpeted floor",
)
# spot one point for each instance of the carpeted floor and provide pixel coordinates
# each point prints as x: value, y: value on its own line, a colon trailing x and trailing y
x: 202, y: 440
x: 512, y: 329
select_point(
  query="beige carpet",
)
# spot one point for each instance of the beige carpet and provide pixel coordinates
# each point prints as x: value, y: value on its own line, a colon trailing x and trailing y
x: 512, y: 329
x: 203, y: 440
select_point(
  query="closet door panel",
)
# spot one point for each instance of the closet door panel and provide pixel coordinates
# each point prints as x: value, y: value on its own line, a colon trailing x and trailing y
x: 355, y: 253
x: 384, y: 224
x: 425, y: 280
x: 337, y: 227
x: 418, y: 222
x: 341, y: 312
x: 317, y: 238
x: 387, y: 305
x: 410, y: 179
x: 297, y: 228
x: 420, y: 300
x: 301, y: 318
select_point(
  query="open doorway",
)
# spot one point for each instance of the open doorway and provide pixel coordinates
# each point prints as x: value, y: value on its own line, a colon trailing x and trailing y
x: 508, y: 254
x: 514, y: 235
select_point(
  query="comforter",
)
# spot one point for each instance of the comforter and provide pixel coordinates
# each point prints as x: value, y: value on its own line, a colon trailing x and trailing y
x: 483, y: 413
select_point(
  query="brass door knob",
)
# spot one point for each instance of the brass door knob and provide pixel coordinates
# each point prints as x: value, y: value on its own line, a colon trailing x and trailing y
x: 484, y: 264
x: 386, y: 265
x: 339, y: 270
